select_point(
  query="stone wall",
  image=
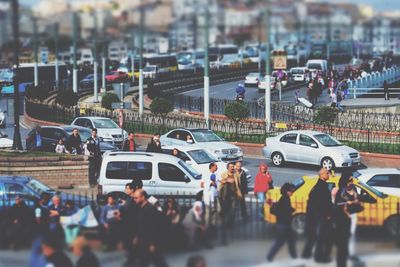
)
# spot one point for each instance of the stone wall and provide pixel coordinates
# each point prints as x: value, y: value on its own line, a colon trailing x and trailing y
x: 55, y: 171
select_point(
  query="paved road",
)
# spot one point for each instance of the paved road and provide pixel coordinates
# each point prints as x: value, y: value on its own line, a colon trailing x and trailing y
x: 227, y: 91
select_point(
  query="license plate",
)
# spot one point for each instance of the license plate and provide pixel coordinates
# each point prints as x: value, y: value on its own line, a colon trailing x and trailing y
x: 118, y: 140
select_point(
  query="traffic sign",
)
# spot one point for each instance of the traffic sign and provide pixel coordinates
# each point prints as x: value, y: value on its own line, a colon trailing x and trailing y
x: 117, y: 89
x: 280, y: 62
x: 117, y: 105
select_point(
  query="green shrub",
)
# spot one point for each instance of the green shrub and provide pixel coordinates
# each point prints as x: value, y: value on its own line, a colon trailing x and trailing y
x: 325, y: 115
x: 67, y: 98
x: 161, y: 106
x: 108, y: 99
x: 40, y: 92
x: 236, y: 111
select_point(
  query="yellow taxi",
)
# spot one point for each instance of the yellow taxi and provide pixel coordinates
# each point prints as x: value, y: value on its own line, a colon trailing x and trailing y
x: 379, y: 209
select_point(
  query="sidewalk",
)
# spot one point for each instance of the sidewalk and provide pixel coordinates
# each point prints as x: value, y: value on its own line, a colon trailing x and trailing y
x: 370, y: 102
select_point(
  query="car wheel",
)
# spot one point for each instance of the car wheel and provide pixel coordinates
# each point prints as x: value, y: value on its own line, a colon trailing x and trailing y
x: 299, y: 223
x: 277, y: 159
x: 392, y: 225
x: 327, y: 163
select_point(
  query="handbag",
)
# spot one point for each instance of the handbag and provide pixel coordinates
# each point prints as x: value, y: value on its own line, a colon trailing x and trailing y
x: 355, y: 208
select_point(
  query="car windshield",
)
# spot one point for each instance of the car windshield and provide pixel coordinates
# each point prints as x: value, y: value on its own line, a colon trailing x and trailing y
x: 38, y: 187
x: 206, y: 136
x: 298, y: 183
x: 201, y: 156
x: 230, y: 58
x: 252, y: 75
x: 314, y: 66
x: 297, y: 71
x: 195, y: 174
x: 327, y: 140
x: 104, y: 123
x: 152, y: 68
x: 373, y: 190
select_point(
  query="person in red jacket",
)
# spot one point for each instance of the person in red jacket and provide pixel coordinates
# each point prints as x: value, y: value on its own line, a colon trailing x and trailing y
x: 262, y: 184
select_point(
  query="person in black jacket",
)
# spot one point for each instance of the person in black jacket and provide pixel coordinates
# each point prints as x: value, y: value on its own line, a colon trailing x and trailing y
x: 318, y: 219
x: 129, y: 144
x: 243, y: 188
x: 154, y: 145
x: 284, y: 211
x: 53, y: 252
x: 93, y: 146
x: 74, y: 142
x: 80, y: 247
x: 148, y: 232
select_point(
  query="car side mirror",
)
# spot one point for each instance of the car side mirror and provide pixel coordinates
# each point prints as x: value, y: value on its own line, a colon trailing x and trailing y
x: 314, y: 145
x: 187, y: 179
x: 189, y: 162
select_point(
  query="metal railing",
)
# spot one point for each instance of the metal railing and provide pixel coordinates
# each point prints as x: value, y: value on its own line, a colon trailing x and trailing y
x: 374, y: 92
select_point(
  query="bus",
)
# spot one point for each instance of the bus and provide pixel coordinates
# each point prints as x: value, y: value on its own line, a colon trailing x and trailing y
x: 164, y: 63
x: 296, y: 54
x: 185, y: 60
x: 46, y: 72
x: 318, y: 51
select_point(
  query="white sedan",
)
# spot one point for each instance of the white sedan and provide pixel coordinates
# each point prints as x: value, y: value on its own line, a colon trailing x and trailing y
x: 200, y: 159
x: 386, y: 180
x: 252, y: 79
x: 310, y: 147
x: 4, y: 141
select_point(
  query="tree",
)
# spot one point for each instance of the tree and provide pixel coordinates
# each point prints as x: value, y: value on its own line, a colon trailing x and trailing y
x: 161, y: 107
x: 67, y: 98
x: 236, y: 111
x: 108, y: 99
x: 325, y: 115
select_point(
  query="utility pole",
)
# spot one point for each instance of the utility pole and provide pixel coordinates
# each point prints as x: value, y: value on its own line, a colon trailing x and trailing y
x: 206, y: 69
x: 141, y: 102
x: 103, y: 66
x: 133, y: 57
x: 35, y: 51
x: 17, y: 145
x: 56, y: 25
x: 267, y: 70
x: 95, y: 86
x: 74, y: 52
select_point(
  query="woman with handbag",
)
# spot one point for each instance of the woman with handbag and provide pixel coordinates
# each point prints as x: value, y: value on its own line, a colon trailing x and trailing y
x: 346, y: 203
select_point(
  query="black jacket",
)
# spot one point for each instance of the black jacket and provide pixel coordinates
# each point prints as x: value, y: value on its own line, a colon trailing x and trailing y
x: 74, y: 142
x: 284, y: 211
x: 88, y: 259
x: 126, y: 146
x: 244, y: 189
x: 93, y: 148
x: 23, y: 214
x: 319, y: 205
x: 149, y: 225
x: 153, y: 147
x: 59, y: 259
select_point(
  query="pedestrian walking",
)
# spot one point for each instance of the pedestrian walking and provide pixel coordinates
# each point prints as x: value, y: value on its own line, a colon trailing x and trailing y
x: 53, y: 253
x: 74, y: 143
x: 386, y: 90
x: 318, y: 219
x: 110, y: 220
x: 244, y: 190
x: 93, y: 146
x: 154, y: 145
x: 129, y: 144
x: 262, y: 183
x: 229, y: 192
x: 196, y: 261
x: 60, y: 147
x: 283, y: 212
x: 36, y: 139
x: 80, y: 248
x: 148, y: 235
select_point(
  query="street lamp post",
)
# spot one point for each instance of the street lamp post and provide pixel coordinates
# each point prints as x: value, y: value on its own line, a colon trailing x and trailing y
x: 103, y: 66
x: 206, y: 69
x: 56, y: 26
x: 141, y: 100
x: 35, y: 50
x: 133, y: 57
x: 267, y: 71
x: 95, y: 85
x: 74, y: 39
x: 17, y: 144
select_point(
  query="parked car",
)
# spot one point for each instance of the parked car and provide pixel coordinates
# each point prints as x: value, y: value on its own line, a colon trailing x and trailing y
x: 206, y: 139
x: 161, y: 174
x: 30, y: 189
x: 310, y: 147
x: 252, y: 79
x: 200, y: 159
x: 116, y: 76
x: 106, y: 128
x: 88, y: 81
x: 299, y: 74
x: 3, y: 119
x: 379, y: 209
x: 4, y: 141
x: 150, y: 71
x: 52, y: 134
x: 386, y: 180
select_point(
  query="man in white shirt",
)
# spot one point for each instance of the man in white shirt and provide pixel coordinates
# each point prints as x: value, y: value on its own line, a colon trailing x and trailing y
x: 210, y: 193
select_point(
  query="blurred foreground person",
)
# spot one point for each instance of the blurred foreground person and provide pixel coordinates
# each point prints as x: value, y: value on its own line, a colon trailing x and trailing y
x: 53, y: 253
x: 80, y: 247
x: 195, y: 226
x: 149, y: 232
x: 196, y: 261
x: 283, y: 211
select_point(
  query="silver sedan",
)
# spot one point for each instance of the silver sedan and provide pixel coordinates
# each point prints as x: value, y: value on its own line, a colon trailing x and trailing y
x: 310, y: 147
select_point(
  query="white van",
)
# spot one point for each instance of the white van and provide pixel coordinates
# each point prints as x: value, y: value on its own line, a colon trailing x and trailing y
x: 317, y: 65
x: 299, y: 74
x: 161, y: 174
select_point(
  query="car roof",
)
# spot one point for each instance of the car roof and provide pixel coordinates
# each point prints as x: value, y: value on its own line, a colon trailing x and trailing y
x: 92, y: 117
x: 192, y: 129
x: 379, y: 171
x: 17, y: 179
x: 109, y: 155
x: 184, y: 148
x: 303, y: 132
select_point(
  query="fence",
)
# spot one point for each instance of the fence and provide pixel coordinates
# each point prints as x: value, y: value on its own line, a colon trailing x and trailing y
x: 364, y: 139
x: 294, y: 114
x: 374, y: 80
